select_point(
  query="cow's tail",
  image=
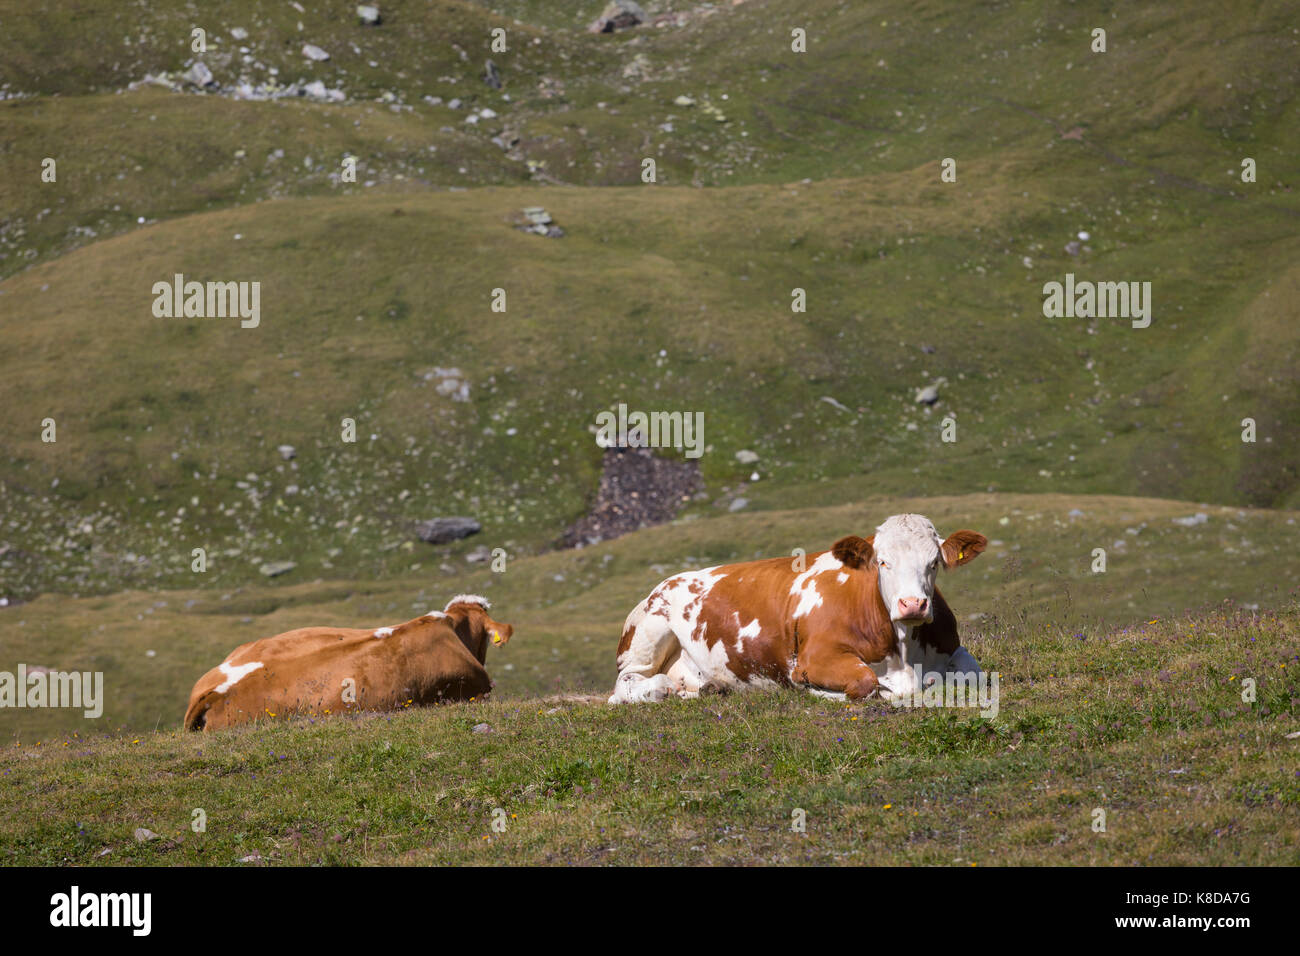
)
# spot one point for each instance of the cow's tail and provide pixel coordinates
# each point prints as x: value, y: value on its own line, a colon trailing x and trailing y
x: 197, y: 715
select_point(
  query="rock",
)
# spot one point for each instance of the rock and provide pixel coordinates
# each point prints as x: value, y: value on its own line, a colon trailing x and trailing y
x: 368, y: 15
x: 491, y: 75
x: 619, y: 15
x: 451, y: 383
x: 479, y: 555
x: 199, y: 75
x: 1072, y: 247
x: 746, y: 457
x: 482, y: 728
x: 683, y: 101
x: 287, y: 452
x: 453, y: 103
x: 273, y: 569
x: 930, y: 394
x: 144, y: 835
x: 738, y: 504
x: 442, y: 530
x: 239, y: 33
x: 1191, y: 521
x: 538, y: 215
x: 313, y: 52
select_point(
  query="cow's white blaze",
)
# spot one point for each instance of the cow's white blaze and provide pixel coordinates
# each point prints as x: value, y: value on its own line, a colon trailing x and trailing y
x: 382, y: 632
x: 907, y: 554
x: 235, y: 673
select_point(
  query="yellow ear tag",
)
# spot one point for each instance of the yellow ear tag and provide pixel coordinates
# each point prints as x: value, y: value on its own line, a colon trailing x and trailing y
x: 960, y: 555
x: 496, y: 637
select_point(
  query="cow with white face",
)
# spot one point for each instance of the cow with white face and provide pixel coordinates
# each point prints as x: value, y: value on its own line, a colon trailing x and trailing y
x: 854, y: 620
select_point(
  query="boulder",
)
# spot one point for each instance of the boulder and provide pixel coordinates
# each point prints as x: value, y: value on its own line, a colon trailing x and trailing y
x: 619, y: 15
x: 199, y: 75
x: 442, y: 530
x: 273, y: 569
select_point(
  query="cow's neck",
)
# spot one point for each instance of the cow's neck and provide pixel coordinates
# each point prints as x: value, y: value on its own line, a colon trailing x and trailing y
x: 902, y: 636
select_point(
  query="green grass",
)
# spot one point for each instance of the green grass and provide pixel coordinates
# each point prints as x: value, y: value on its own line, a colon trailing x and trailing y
x: 1144, y: 723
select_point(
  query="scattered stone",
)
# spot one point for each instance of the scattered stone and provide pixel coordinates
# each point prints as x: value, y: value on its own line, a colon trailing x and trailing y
x: 619, y: 15
x: 239, y: 33
x: 834, y: 404
x: 539, y: 222
x: 930, y: 394
x: 273, y: 569
x: 144, y: 835
x: 313, y: 52
x: 683, y: 101
x: 482, y: 728
x: 453, y: 103
x: 368, y: 15
x: 1192, y: 520
x: 491, y: 75
x: 746, y: 457
x: 1072, y: 247
x: 287, y: 452
x: 481, y: 555
x: 199, y: 75
x: 738, y: 504
x: 451, y: 383
x: 442, y: 530
x: 253, y: 857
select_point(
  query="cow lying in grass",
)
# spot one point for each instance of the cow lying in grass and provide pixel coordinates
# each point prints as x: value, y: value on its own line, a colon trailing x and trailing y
x: 854, y: 620
x: 324, y: 670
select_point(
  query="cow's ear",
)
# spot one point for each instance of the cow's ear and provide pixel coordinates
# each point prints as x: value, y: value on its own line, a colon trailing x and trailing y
x: 962, y: 546
x: 852, y: 551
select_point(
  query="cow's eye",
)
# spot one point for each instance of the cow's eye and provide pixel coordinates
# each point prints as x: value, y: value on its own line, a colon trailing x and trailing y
x: 884, y: 564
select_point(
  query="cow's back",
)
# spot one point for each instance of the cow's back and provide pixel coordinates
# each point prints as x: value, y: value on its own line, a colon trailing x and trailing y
x: 327, y: 670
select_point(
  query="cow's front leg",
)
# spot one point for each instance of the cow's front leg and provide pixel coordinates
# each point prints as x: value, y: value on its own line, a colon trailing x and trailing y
x: 837, y: 669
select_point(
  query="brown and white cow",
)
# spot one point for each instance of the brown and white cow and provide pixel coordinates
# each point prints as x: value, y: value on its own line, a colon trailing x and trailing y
x: 325, y: 670
x: 857, y: 618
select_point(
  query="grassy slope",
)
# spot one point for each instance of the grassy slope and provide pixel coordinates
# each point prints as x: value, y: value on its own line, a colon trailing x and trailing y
x: 890, y: 258
x: 1147, y: 724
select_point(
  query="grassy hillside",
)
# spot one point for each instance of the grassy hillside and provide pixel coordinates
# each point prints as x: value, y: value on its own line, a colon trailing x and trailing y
x: 1146, y: 724
x: 660, y: 295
